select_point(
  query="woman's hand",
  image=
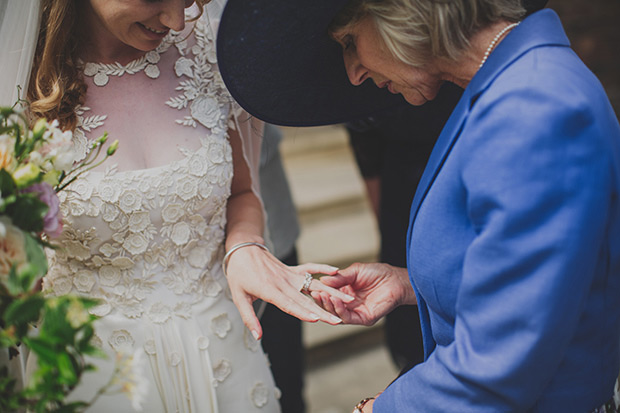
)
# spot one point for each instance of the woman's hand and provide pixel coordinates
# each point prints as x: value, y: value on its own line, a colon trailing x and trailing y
x: 377, y: 288
x: 365, y: 406
x: 255, y: 273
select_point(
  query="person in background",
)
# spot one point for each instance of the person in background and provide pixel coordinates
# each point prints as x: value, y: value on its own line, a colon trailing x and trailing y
x: 391, y: 160
x: 282, y: 333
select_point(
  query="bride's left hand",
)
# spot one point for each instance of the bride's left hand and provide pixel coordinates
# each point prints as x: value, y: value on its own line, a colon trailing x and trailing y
x: 254, y: 273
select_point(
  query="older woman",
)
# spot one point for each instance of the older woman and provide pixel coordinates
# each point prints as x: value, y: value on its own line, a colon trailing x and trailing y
x: 514, y: 238
x: 153, y: 236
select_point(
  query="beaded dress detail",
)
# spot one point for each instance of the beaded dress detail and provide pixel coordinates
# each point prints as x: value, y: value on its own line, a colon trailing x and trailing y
x: 146, y: 236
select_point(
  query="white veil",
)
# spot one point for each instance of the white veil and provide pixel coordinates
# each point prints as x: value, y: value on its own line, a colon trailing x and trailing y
x: 250, y: 128
x: 19, y: 27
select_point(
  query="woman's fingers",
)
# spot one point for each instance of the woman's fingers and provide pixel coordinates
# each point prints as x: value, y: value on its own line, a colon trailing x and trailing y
x: 340, y: 309
x: 314, y: 268
x: 246, y: 310
x: 316, y: 285
x: 335, y: 281
x: 300, y: 306
x: 350, y: 316
x: 327, y: 303
x: 316, y: 296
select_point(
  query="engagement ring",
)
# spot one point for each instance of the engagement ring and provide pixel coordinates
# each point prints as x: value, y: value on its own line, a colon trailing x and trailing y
x: 305, y: 288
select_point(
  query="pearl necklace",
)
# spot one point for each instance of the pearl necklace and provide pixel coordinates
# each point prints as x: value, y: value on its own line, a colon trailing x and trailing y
x: 495, y: 40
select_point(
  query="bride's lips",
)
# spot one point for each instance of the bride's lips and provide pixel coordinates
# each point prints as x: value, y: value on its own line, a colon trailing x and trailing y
x: 153, y: 33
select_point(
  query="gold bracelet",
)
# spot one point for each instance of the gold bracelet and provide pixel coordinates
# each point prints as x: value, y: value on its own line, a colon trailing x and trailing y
x: 235, y: 248
x: 360, y: 406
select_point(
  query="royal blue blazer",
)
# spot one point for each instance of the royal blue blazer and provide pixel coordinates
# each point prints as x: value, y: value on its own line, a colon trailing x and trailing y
x: 514, y: 240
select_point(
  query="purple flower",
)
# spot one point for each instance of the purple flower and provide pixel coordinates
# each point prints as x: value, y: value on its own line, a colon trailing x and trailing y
x: 52, y: 222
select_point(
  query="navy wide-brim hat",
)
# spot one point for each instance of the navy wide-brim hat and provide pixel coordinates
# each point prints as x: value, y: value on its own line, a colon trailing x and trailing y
x: 280, y: 65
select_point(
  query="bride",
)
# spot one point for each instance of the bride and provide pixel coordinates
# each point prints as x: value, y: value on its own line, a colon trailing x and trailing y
x: 146, y: 234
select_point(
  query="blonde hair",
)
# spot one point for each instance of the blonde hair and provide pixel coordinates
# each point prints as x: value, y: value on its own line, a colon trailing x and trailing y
x: 415, y: 31
x: 56, y: 85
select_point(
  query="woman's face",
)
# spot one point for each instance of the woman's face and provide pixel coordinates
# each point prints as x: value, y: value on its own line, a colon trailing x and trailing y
x: 140, y: 24
x: 365, y: 57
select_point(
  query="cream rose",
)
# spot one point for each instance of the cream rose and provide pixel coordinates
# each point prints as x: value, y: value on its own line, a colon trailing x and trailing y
x: 139, y: 221
x: 135, y: 244
x: 109, y: 275
x: 130, y: 201
x: 121, y: 340
x: 12, y: 246
x: 180, y: 233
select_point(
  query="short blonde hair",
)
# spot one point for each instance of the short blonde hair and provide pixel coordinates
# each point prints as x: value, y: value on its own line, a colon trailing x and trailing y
x: 415, y: 31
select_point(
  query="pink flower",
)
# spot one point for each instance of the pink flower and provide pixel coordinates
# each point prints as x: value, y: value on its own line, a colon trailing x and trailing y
x: 52, y: 222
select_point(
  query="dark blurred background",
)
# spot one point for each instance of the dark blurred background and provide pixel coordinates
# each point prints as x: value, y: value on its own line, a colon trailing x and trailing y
x: 593, y: 27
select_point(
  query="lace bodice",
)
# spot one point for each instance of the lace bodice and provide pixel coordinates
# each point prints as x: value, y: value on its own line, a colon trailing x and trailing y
x: 144, y: 233
x: 127, y: 229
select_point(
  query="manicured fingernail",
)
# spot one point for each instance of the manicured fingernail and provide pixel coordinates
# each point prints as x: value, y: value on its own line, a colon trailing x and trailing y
x: 336, y: 319
x: 331, y: 267
x: 349, y: 297
x: 255, y: 334
x: 314, y: 316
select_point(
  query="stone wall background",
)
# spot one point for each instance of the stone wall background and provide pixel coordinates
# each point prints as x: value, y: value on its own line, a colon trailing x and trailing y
x: 593, y: 27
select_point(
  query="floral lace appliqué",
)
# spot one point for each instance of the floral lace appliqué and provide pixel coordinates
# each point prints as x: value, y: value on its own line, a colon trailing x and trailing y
x: 203, y: 90
x: 132, y: 237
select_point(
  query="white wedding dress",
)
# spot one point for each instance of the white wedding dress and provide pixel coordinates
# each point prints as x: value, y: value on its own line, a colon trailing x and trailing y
x: 145, y: 234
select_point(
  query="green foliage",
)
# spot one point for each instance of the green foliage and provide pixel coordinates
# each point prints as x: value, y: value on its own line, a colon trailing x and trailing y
x: 60, y: 343
x: 57, y: 330
x: 27, y: 212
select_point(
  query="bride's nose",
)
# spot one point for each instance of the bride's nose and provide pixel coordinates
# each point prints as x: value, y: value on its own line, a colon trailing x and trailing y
x: 173, y: 14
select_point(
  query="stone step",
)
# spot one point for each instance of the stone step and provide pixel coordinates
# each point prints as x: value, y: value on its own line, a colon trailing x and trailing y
x: 337, y: 386
x: 304, y: 140
x: 346, y: 236
x: 318, y: 334
x: 336, y: 221
x: 344, y: 362
x: 321, y: 169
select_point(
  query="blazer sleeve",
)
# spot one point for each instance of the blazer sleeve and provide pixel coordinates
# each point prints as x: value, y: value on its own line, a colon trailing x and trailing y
x: 536, y: 169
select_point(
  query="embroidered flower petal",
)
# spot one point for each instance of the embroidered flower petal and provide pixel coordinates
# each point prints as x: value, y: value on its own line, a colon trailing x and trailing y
x: 222, y: 370
x: 259, y: 394
x: 149, y: 347
x: 135, y: 244
x: 203, y: 343
x: 84, y: 281
x: 183, y: 66
x: 221, y: 325
x: 109, y: 275
x: 159, y: 313
x: 121, y: 340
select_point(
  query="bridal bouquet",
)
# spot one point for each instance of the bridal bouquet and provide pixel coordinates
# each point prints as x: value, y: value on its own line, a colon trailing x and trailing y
x: 36, y: 163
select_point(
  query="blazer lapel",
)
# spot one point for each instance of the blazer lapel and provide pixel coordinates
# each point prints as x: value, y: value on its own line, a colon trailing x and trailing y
x: 442, y: 148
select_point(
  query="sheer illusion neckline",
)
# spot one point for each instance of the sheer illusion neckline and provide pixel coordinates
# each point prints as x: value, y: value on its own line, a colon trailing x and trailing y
x: 101, y: 72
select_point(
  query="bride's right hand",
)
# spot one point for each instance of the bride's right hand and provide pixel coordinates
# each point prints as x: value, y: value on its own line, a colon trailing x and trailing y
x: 254, y: 273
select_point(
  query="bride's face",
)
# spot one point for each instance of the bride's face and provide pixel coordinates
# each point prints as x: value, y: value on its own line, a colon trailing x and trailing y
x: 140, y: 24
